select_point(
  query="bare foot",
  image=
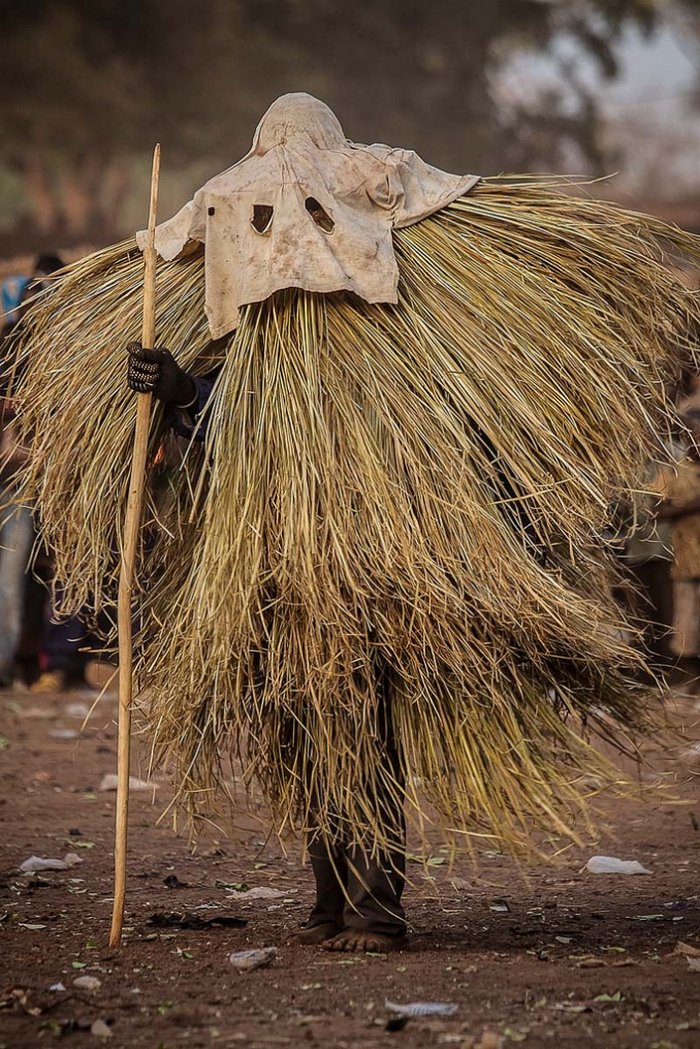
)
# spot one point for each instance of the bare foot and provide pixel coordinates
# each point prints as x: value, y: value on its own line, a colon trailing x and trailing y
x: 365, y: 942
x: 316, y: 934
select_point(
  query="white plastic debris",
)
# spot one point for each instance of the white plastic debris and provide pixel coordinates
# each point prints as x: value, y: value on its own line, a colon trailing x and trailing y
x: 76, y: 710
x: 246, y: 961
x: 611, y: 865
x: 421, y: 1008
x: 42, y: 863
x: 260, y: 892
x: 64, y: 733
x: 110, y: 781
x: 87, y: 983
x: 100, y: 1029
x: 57, y: 987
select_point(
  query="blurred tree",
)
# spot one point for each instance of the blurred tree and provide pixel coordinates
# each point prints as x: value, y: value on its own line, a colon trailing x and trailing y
x: 67, y: 104
x: 86, y: 86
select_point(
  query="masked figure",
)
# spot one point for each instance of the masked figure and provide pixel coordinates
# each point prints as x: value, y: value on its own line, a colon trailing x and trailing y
x: 397, y: 405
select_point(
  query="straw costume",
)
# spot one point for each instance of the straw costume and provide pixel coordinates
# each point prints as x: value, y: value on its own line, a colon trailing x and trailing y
x: 375, y: 576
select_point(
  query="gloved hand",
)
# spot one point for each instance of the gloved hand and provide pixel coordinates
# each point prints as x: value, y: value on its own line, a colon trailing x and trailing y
x: 157, y: 372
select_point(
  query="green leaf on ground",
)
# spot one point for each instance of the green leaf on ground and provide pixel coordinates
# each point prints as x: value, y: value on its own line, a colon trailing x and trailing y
x: 514, y: 1035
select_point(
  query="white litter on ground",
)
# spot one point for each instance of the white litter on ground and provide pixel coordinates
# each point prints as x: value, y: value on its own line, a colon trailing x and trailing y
x: 422, y: 1008
x: 87, y: 983
x: 110, y: 781
x: 611, y: 865
x: 41, y: 863
x: 246, y: 961
x: 260, y: 892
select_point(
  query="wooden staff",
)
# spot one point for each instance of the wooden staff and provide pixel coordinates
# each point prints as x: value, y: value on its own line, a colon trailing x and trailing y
x: 134, y: 508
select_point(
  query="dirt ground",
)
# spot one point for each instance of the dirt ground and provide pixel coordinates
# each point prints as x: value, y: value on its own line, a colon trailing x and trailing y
x: 567, y: 959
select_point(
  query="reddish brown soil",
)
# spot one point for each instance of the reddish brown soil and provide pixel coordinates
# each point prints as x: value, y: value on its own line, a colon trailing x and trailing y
x: 532, y: 975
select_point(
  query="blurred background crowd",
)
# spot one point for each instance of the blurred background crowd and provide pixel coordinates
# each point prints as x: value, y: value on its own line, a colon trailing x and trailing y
x: 596, y: 88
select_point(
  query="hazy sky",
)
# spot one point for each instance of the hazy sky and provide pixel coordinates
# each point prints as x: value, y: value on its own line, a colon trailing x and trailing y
x: 652, y: 107
x: 661, y: 71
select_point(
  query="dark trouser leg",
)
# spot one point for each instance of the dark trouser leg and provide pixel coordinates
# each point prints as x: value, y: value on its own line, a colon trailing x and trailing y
x: 375, y: 887
x: 354, y: 890
x: 16, y: 534
x: 375, y: 883
x: 654, y: 604
x: 61, y: 646
x: 330, y: 872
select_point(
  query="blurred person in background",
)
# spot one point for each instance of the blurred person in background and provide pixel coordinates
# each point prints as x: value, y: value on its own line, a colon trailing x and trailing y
x: 680, y: 505
x: 646, y: 550
x: 54, y: 648
x: 12, y: 293
x: 62, y: 657
x: 17, y: 290
x: 16, y: 539
x: 16, y: 525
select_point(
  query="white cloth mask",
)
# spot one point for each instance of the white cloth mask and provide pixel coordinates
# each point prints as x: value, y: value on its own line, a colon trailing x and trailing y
x: 305, y: 208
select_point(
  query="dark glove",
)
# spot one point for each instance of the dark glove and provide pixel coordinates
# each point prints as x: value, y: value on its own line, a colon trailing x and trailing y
x: 157, y: 372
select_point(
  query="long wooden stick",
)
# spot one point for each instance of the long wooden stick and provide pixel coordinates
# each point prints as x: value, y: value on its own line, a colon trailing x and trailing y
x: 134, y: 509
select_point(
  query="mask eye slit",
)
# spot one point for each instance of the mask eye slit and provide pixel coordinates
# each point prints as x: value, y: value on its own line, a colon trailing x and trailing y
x: 262, y: 217
x: 319, y: 215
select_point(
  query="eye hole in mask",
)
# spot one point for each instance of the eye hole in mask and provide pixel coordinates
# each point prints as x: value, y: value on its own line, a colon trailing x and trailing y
x: 319, y: 215
x: 262, y: 217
